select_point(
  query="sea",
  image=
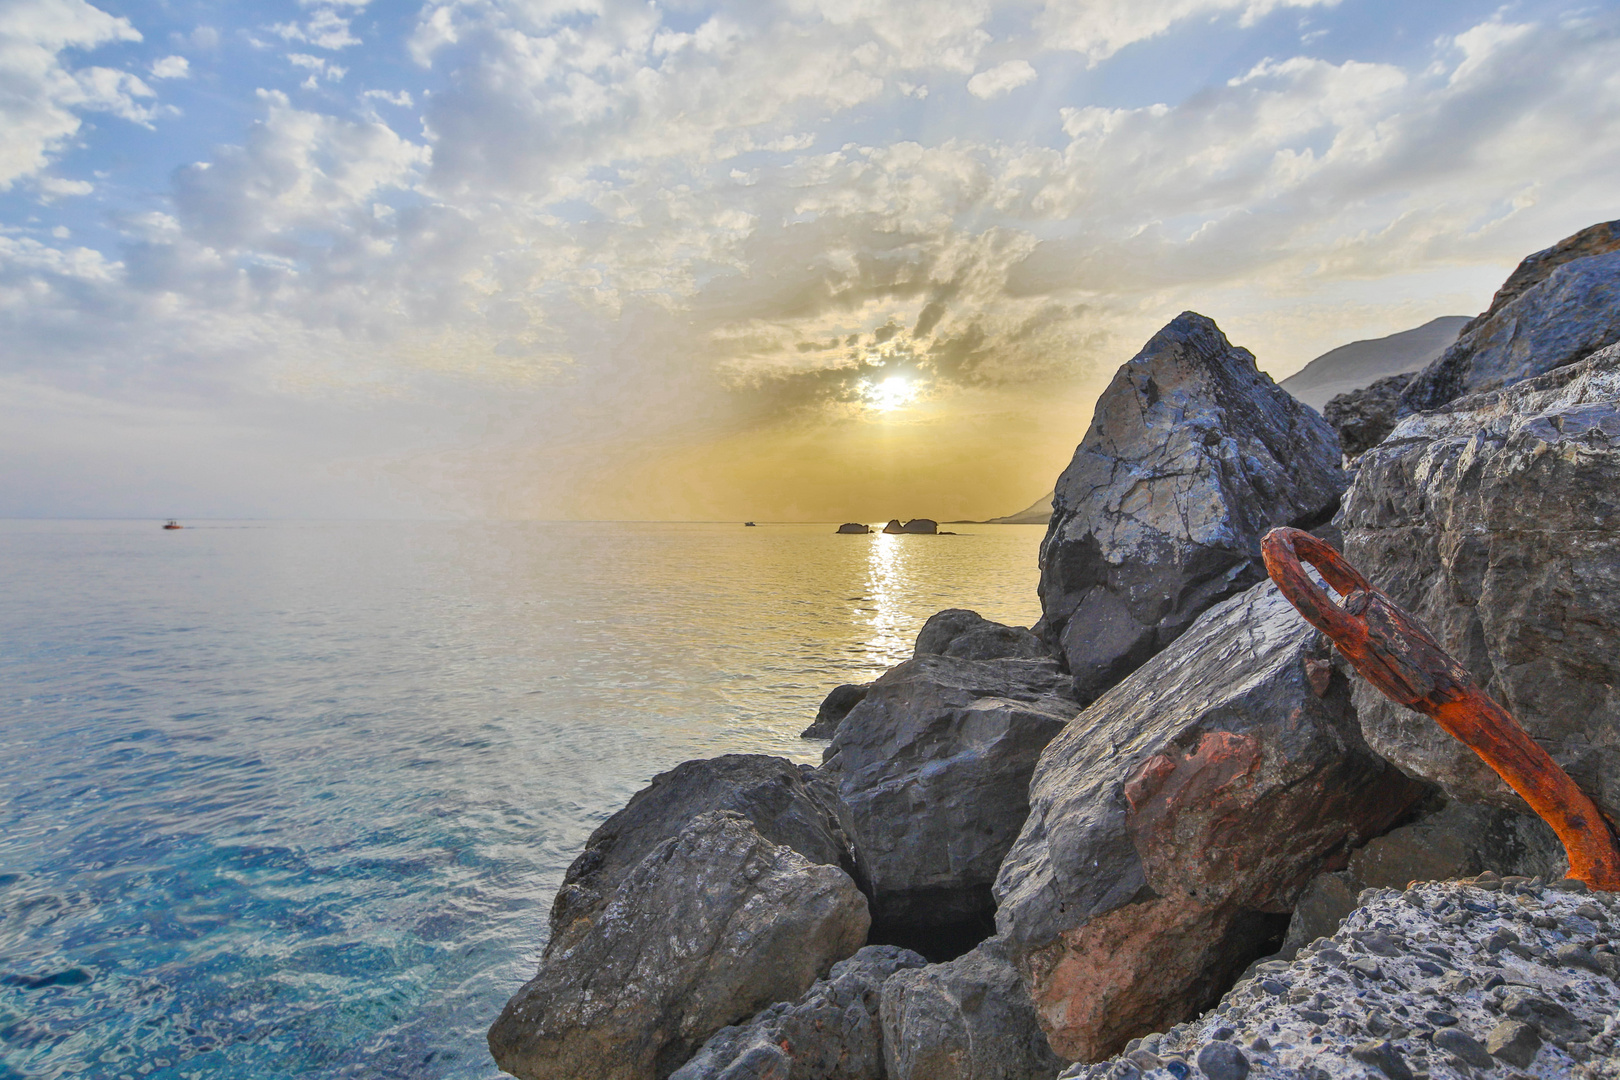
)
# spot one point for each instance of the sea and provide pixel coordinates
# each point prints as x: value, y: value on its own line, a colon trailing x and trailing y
x: 291, y: 799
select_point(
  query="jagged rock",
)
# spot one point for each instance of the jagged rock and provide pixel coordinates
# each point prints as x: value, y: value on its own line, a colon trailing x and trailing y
x: 968, y: 1019
x: 854, y: 528
x: 926, y: 526
x: 1174, y: 823
x: 831, y: 1033
x: 1417, y: 983
x: 1192, y: 455
x: 1363, y: 417
x: 894, y: 527
x: 711, y: 926
x: 1496, y: 521
x: 1599, y: 239
x: 789, y: 804
x: 834, y: 707
x: 1458, y: 840
x: 933, y: 771
x: 969, y: 636
x: 1560, y: 306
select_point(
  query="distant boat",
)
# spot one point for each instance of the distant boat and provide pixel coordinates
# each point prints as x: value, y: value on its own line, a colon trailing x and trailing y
x: 173, y: 524
x: 750, y: 524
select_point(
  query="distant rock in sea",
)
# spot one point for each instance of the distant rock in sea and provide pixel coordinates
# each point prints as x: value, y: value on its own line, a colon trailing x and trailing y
x: 854, y: 528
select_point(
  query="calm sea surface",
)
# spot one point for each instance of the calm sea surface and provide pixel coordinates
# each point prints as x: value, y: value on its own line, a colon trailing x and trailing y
x: 291, y: 799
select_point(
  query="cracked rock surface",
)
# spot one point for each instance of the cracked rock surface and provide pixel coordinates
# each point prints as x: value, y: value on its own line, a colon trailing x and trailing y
x: 712, y: 925
x: 933, y: 770
x: 1192, y: 454
x: 1489, y: 977
x: 1174, y: 823
x: 1496, y: 521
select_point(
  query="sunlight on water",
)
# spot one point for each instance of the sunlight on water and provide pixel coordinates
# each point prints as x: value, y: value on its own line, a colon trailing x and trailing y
x: 292, y: 799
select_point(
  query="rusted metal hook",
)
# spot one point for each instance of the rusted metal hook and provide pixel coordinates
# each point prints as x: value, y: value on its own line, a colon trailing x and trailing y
x: 1399, y: 656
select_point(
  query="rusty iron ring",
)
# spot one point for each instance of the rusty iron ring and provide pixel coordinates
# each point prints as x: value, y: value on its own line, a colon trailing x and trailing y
x: 1398, y: 655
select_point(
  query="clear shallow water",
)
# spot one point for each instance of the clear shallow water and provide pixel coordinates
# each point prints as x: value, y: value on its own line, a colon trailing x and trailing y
x: 292, y: 799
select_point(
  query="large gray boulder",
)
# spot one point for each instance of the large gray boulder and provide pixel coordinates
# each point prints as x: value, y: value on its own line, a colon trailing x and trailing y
x: 1175, y: 822
x: 710, y: 927
x: 970, y: 636
x: 1560, y: 306
x: 968, y: 1019
x: 788, y: 804
x: 1599, y: 239
x: 831, y: 1033
x: 1496, y: 521
x: 1192, y: 455
x: 933, y: 770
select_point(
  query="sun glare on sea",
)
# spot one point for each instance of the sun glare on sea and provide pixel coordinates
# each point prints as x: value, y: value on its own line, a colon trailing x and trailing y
x: 895, y: 392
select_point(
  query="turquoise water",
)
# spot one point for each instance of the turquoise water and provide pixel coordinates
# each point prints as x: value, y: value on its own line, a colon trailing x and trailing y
x: 291, y: 799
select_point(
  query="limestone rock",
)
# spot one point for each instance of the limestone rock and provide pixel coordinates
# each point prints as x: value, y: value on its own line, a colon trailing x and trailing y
x: 1363, y: 417
x: 834, y: 707
x: 830, y: 1033
x: 1496, y: 521
x: 968, y: 635
x: 924, y: 526
x: 933, y: 771
x: 1192, y: 455
x: 789, y: 804
x: 854, y: 528
x: 1175, y: 822
x: 712, y: 925
x: 1415, y: 984
x: 1560, y: 306
x: 894, y: 527
x: 968, y: 1019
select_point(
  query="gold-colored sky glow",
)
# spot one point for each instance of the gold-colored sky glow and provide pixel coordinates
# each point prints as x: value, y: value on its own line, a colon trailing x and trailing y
x: 779, y: 260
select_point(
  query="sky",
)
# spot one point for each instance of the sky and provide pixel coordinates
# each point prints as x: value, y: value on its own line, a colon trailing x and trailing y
x: 773, y: 259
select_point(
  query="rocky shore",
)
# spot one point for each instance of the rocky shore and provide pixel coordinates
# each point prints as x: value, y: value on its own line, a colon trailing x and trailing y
x: 1167, y: 832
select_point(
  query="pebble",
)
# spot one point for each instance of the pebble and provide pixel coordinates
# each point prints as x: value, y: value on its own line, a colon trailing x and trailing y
x: 1222, y: 1061
x: 1513, y: 1042
x: 1387, y: 1059
x: 1465, y: 1046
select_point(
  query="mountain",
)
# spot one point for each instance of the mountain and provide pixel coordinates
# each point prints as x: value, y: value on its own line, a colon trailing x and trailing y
x: 1352, y: 366
x: 1037, y: 513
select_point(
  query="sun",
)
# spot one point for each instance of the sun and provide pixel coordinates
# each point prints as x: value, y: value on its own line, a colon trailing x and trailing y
x: 895, y: 392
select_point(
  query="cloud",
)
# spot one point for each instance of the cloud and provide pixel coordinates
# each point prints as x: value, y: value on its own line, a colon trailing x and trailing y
x: 317, y: 67
x: 325, y: 29
x: 617, y: 228
x: 1097, y: 29
x: 399, y: 98
x: 171, y: 67
x: 45, y: 95
x: 1001, y: 79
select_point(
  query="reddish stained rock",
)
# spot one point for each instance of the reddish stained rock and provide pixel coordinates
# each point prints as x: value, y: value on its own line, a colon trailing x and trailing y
x: 1175, y: 822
